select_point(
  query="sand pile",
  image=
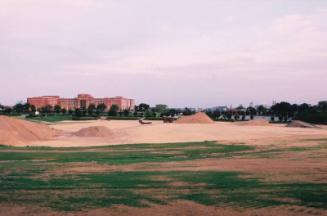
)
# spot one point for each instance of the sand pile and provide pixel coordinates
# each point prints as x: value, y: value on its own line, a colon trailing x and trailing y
x: 16, y: 131
x: 198, y: 118
x: 255, y: 122
x: 300, y: 124
x: 94, y: 131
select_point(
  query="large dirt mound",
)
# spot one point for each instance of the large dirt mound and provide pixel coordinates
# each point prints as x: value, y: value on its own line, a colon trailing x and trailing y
x: 94, y: 131
x: 16, y: 131
x: 198, y: 118
x: 300, y: 124
x: 255, y: 122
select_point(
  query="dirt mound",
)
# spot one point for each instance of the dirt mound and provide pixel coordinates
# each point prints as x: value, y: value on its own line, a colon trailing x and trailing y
x: 255, y: 122
x: 300, y: 124
x: 16, y: 131
x: 94, y: 131
x: 198, y: 118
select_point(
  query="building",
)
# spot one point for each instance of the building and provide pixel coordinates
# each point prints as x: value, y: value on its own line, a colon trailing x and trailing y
x: 81, y: 101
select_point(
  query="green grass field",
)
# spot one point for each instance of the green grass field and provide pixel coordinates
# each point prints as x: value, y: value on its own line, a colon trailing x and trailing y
x: 28, y: 177
x: 52, y: 118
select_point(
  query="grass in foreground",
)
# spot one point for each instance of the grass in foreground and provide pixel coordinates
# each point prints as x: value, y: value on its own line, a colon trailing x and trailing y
x: 25, y: 179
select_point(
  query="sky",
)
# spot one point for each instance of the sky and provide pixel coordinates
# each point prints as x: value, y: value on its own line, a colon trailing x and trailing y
x: 194, y: 53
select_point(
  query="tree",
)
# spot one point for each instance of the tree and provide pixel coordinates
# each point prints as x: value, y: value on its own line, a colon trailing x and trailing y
x: 91, y: 109
x: 78, y: 112
x: 63, y: 111
x: 113, y: 110
x: 272, y: 118
x: 160, y: 108
x: 294, y: 108
x: 150, y: 114
x: 33, y: 109
x: 188, y: 111
x: 27, y: 108
x: 209, y: 113
x: 283, y: 110
x: 251, y: 111
x: 18, y: 108
x: 2, y: 108
x: 240, y: 107
x: 126, y: 112
x: 7, y: 110
x: 101, y: 108
x: 304, y: 108
x: 57, y: 109
x: 46, y: 109
x: 143, y: 107
x: 262, y: 110
x: 228, y: 115
x: 322, y: 106
x: 171, y: 112
x: 216, y: 114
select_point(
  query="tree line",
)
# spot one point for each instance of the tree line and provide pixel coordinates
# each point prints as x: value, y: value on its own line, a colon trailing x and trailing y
x: 141, y: 110
x: 282, y: 111
x: 91, y: 110
x: 279, y: 112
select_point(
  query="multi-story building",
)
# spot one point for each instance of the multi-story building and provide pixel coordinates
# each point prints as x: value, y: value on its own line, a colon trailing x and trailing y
x: 81, y: 101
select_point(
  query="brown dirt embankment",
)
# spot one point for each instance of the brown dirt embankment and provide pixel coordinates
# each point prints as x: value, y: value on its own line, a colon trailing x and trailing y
x: 94, y: 131
x: 16, y: 131
x: 198, y: 118
x: 300, y: 124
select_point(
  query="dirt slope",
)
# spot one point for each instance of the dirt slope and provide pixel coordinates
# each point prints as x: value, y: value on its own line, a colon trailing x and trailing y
x: 198, y: 118
x: 16, y: 131
x: 300, y: 124
x: 94, y: 131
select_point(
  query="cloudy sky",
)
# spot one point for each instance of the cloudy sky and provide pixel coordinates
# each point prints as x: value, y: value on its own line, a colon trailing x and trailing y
x: 198, y: 53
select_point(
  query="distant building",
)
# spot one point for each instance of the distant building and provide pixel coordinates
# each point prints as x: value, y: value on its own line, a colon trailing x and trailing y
x: 81, y: 101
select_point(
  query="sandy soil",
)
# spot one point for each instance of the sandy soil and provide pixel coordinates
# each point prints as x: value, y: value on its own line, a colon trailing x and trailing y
x: 19, y: 132
x: 129, y: 132
x: 199, y: 118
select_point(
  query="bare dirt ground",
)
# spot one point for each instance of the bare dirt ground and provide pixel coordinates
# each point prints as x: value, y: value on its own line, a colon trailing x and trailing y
x: 130, y: 132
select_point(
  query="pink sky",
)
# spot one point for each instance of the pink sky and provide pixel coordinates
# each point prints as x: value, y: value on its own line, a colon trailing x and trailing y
x: 181, y: 53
